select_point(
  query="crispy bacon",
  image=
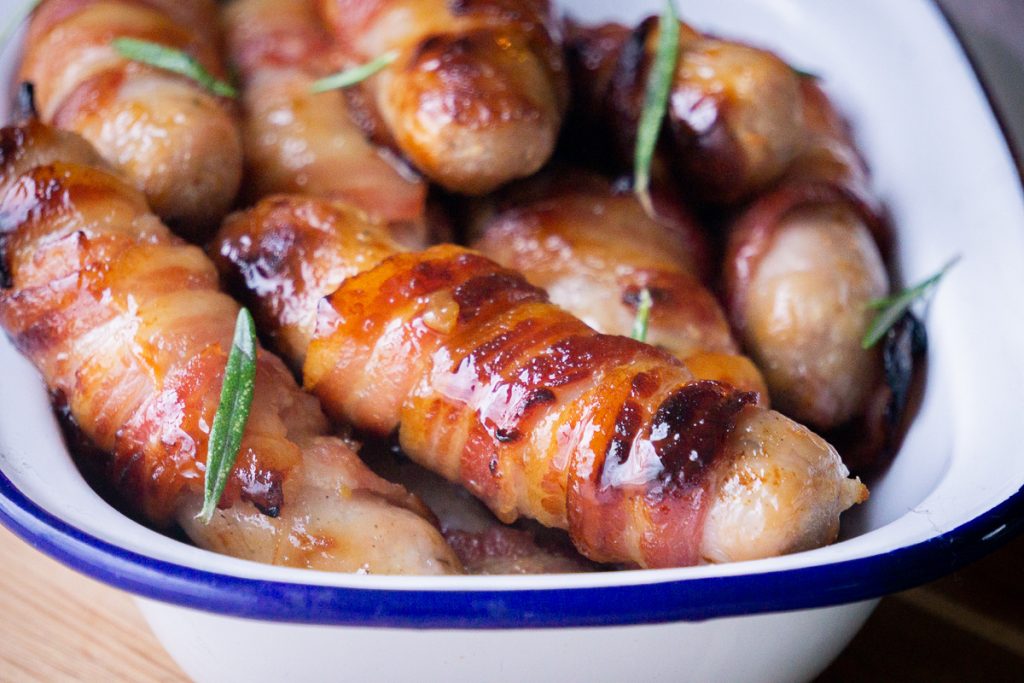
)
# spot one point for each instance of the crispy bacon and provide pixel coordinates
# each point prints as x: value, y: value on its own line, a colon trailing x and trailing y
x: 172, y: 139
x: 301, y: 142
x: 491, y: 385
x: 477, y: 94
x: 594, y: 250
x: 127, y: 326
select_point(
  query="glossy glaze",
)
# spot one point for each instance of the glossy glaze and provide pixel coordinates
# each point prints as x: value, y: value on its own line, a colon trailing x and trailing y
x: 130, y: 331
x: 491, y: 385
x: 593, y: 249
x: 171, y: 138
x: 476, y: 96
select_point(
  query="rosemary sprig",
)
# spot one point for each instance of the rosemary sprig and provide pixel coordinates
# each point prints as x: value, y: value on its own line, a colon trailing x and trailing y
x: 804, y: 74
x: 232, y: 413
x: 356, y: 74
x: 891, y: 308
x: 659, y: 83
x: 173, y: 60
x: 643, y: 315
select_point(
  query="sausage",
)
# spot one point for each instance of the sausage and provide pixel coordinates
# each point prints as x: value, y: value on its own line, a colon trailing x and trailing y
x: 733, y: 123
x: 128, y: 328
x: 478, y: 91
x: 801, y: 265
x: 172, y: 139
x: 297, y: 141
x: 594, y: 250
x: 492, y: 386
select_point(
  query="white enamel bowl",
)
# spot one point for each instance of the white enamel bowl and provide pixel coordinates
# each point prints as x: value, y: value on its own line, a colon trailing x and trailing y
x: 953, y: 493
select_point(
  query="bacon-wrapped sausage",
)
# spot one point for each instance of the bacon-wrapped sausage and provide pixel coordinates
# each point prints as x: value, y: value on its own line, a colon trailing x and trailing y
x: 492, y: 386
x: 297, y: 141
x: 477, y: 93
x: 594, y: 250
x: 174, y: 140
x: 127, y: 325
x: 802, y: 264
x: 734, y: 116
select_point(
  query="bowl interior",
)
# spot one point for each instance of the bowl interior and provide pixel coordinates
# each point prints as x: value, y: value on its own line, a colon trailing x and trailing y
x: 941, y: 165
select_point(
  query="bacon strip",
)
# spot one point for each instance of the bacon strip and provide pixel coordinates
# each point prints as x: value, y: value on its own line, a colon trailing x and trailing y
x: 128, y: 327
x: 594, y: 250
x: 477, y: 94
x: 301, y: 142
x: 171, y: 138
x: 492, y: 386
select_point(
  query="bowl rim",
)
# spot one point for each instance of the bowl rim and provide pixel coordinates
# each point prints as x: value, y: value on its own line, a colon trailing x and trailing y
x: 670, y: 600
x: 693, y: 599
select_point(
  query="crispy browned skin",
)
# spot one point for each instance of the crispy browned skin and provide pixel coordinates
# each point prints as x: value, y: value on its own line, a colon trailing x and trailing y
x: 127, y: 326
x: 171, y: 138
x: 300, y: 142
x: 801, y: 266
x: 493, y: 386
x: 594, y: 250
x: 477, y: 94
x: 734, y: 117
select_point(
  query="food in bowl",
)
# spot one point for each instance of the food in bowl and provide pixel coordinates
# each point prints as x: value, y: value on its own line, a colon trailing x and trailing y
x: 489, y: 383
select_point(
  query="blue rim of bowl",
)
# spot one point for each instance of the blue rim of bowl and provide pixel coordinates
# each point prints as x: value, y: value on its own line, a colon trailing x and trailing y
x: 675, y: 600
x: 660, y: 602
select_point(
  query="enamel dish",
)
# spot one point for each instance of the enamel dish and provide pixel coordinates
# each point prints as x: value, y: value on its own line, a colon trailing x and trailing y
x: 954, y: 492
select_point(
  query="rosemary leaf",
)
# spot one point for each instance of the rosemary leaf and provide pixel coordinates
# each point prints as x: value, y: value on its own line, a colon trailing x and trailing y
x: 173, y: 60
x: 659, y: 84
x: 232, y: 413
x: 891, y: 308
x: 356, y: 74
x: 804, y: 74
x: 643, y: 315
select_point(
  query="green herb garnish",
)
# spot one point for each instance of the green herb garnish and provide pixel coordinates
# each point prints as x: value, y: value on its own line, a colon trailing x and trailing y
x: 643, y: 315
x: 891, y: 308
x: 173, y: 60
x: 804, y: 74
x: 356, y: 74
x: 232, y: 413
x: 659, y: 83
x: 15, y: 20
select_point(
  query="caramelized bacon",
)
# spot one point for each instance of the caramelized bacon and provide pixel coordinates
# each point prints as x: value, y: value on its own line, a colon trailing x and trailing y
x: 174, y: 140
x: 127, y: 326
x: 477, y: 94
x: 594, y: 250
x: 491, y: 385
x: 298, y: 141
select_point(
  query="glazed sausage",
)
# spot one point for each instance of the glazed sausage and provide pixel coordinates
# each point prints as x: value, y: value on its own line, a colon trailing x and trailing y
x: 299, y: 142
x: 174, y: 140
x: 593, y: 250
x: 492, y: 386
x: 128, y: 328
x: 477, y: 94
x: 734, y: 117
x: 801, y: 266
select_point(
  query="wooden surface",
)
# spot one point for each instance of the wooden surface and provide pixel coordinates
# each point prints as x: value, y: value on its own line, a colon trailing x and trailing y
x: 56, y: 625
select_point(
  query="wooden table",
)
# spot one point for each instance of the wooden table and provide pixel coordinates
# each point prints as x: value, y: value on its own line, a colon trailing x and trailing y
x: 56, y: 625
